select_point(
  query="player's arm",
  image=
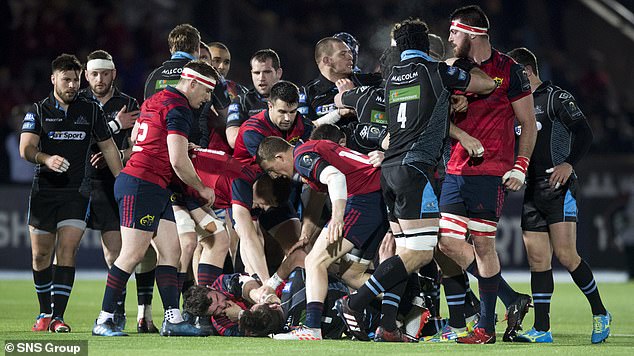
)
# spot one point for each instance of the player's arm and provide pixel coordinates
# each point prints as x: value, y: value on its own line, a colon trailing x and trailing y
x: 568, y: 112
x: 236, y: 115
x: 471, y: 144
x: 478, y: 81
x: 338, y: 192
x: 183, y: 167
x: 112, y: 155
x: 251, y: 242
x: 29, y: 151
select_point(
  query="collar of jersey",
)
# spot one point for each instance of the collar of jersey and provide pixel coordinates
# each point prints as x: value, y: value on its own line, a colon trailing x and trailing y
x: 182, y: 55
x: 411, y: 53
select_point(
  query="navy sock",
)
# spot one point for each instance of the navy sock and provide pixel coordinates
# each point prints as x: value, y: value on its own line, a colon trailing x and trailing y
x: 506, y: 294
x: 390, y: 304
x: 180, y: 278
x: 389, y: 273
x: 314, y: 311
x: 432, y: 290
x: 471, y: 302
x: 542, y: 287
x: 207, y: 274
x: 145, y: 287
x: 488, y: 296
x: 63, y: 280
x: 120, y: 307
x: 584, y: 279
x: 455, y: 294
x: 43, y: 286
x: 167, y: 283
x: 117, y: 280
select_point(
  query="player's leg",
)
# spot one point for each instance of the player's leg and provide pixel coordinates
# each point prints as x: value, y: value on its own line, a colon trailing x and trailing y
x: 187, y: 237
x: 42, y: 247
x: 145, y: 275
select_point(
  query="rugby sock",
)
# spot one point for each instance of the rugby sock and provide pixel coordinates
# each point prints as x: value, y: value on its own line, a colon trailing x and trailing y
x: 388, y: 274
x: 207, y: 274
x: 189, y: 282
x: 314, y: 311
x: 117, y: 279
x: 488, y: 296
x: 172, y: 315
x: 181, y: 278
x: 455, y: 295
x: 43, y: 286
x: 167, y: 283
x: 430, y: 271
x: 471, y: 302
x: 63, y: 279
x: 120, y: 307
x: 584, y: 279
x: 542, y: 287
x: 389, y: 305
x: 506, y: 294
x: 145, y: 287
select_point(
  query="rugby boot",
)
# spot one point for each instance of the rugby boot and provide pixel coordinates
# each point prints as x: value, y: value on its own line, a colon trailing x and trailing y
x: 534, y: 336
x: 58, y: 325
x: 355, y: 321
x: 42, y: 322
x: 108, y: 328
x: 180, y: 329
x: 478, y: 336
x: 300, y: 333
x: 515, y: 314
x: 145, y: 326
x: 601, y: 327
x: 382, y: 335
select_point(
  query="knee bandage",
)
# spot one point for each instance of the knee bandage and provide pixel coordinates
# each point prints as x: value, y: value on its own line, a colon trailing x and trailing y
x: 452, y: 225
x: 184, y: 222
x: 421, y: 239
x: 482, y: 228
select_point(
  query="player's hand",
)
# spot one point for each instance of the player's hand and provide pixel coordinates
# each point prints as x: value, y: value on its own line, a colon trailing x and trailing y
x: 207, y: 195
x: 57, y: 163
x: 559, y: 175
x: 300, y: 244
x: 515, y: 178
x: 376, y: 157
x: 192, y: 146
x: 335, y: 229
x: 459, y: 103
x: 472, y: 145
x: 97, y: 160
x: 387, y: 248
x: 344, y: 84
x: 127, y: 119
x: 232, y: 311
x: 343, y: 112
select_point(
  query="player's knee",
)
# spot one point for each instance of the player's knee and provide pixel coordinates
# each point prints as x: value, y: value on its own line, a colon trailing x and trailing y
x: 316, y: 259
x: 569, y: 259
x: 539, y: 261
x: 184, y: 222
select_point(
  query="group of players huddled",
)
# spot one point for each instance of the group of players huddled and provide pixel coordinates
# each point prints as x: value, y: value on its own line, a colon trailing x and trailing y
x: 337, y: 209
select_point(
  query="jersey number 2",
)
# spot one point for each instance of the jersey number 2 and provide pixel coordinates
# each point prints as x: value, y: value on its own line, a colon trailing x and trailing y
x: 401, y: 117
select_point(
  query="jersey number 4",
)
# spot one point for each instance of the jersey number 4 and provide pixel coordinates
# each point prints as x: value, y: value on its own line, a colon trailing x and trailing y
x: 401, y: 116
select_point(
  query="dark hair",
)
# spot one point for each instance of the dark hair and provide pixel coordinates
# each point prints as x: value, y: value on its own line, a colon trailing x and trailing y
x: 525, y: 57
x: 436, y: 47
x: 99, y: 54
x: 185, y: 38
x: 389, y: 58
x: 411, y: 34
x: 327, y: 132
x: 271, y: 146
x: 65, y: 62
x: 471, y: 15
x: 196, y: 300
x: 204, y: 69
x: 274, y: 191
x: 325, y: 47
x: 264, y: 54
x: 219, y: 45
x: 262, y: 321
x: 285, y: 91
x: 205, y: 46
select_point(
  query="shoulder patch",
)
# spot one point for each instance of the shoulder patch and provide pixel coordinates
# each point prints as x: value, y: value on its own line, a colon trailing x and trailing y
x: 29, y: 117
x: 306, y: 160
x: 564, y: 96
x: 234, y: 107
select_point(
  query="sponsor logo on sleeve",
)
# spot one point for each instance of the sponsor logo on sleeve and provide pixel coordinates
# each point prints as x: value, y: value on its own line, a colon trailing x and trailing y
x: 67, y: 135
x: 404, y: 94
x: 234, y: 108
x: 378, y: 117
x: 29, y: 117
x: 28, y: 125
x: 81, y: 120
x: 324, y: 109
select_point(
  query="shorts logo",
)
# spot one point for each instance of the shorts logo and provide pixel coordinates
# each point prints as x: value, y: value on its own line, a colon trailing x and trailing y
x: 404, y: 94
x: 67, y: 135
x: 147, y: 220
x: 173, y: 197
x: 498, y: 81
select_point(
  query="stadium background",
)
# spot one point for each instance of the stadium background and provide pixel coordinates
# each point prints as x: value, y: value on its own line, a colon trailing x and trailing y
x: 585, y: 46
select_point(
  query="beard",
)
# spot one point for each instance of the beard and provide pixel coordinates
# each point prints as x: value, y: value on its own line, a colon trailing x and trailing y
x: 462, y: 51
x: 67, y: 96
x: 103, y: 90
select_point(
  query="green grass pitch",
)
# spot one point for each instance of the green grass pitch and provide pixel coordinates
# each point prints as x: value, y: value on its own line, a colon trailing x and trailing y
x: 570, y: 319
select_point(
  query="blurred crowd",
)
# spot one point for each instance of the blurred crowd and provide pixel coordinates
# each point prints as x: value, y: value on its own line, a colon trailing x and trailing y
x: 135, y: 32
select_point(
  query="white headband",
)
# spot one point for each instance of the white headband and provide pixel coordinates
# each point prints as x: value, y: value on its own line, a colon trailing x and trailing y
x: 189, y: 73
x: 472, y: 30
x: 95, y: 64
